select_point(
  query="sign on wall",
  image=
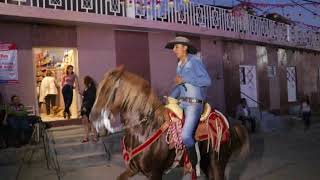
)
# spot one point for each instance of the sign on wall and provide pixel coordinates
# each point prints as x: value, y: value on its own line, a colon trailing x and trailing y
x: 8, y: 63
x: 248, y: 84
x: 291, y: 84
x: 272, y: 71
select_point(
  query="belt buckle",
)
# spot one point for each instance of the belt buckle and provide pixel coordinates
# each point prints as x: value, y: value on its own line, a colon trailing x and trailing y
x: 193, y: 100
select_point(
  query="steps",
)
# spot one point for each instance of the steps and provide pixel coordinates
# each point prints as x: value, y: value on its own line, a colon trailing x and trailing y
x: 71, y: 154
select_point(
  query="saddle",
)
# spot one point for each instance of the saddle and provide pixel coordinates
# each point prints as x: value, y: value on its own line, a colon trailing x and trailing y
x: 213, y: 126
x: 174, y: 107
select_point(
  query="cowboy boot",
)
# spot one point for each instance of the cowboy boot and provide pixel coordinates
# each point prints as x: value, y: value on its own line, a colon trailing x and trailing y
x: 192, y: 153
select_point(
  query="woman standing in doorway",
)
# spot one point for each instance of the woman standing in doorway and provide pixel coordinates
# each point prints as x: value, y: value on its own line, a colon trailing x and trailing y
x: 68, y: 82
x: 89, y: 96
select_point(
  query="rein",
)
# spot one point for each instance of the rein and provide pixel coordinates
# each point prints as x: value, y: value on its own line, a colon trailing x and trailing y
x: 129, y: 153
x: 146, y: 118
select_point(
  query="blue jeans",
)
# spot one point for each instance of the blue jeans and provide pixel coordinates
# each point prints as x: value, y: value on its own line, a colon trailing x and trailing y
x: 192, y: 112
x: 175, y: 92
x: 67, y: 92
x: 20, y: 123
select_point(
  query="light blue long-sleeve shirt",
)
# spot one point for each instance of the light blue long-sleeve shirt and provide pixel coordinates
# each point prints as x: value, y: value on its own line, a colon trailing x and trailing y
x: 196, y: 79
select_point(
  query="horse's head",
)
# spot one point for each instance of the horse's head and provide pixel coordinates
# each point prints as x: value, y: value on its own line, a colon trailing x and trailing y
x: 106, y: 106
x: 122, y: 92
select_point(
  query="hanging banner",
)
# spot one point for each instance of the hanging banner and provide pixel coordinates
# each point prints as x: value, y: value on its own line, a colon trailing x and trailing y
x: 8, y: 63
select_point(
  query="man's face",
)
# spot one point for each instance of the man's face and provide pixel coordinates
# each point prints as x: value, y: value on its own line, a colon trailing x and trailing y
x: 180, y: 50
x: 16, y: 100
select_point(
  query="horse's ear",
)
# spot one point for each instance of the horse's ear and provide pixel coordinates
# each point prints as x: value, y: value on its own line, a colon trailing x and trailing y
x: 120, y: 67
x: 117, y: 72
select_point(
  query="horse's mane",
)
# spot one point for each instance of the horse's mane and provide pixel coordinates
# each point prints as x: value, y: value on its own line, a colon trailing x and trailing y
x: 130, y: 90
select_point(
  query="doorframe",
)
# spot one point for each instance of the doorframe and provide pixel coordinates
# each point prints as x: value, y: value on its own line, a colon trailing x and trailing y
x: 76, y: 70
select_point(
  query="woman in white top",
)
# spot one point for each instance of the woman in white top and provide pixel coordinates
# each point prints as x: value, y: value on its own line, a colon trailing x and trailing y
x: 48, y: 91
x: 306, y: 112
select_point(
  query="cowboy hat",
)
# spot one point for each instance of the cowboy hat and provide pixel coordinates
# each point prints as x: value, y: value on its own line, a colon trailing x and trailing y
x: 183, y: 41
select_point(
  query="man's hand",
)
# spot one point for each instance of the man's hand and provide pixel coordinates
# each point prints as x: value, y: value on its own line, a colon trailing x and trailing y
x: 178, y: 80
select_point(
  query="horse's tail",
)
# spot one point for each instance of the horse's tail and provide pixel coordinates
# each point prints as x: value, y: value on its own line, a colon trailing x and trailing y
x: 240, y: 140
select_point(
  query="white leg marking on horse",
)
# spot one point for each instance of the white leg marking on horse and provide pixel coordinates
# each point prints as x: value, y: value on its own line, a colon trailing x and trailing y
x: 198, y: 170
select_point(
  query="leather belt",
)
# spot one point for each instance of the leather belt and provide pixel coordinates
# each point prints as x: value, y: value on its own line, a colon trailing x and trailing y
x: 191, y: 100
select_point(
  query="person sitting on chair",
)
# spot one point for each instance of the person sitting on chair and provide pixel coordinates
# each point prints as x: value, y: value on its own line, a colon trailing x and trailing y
x: 243, y: 114
x: 18, y: 121
x: 191, y: 81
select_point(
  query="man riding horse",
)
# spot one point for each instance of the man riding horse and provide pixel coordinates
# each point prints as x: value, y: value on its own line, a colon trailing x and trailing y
x: 191, y: 80
x: 152, y: 131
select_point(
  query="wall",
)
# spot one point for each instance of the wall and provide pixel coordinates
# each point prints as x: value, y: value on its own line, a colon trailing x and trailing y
x: 163, y: 62
x: 212, y: 52
x: 96, y: 51
x: 262, y: 77
x: 274, y: 82
x: 20, y: 34
x: 282, y: 75
x: 310, y: 80
x: 132, y: 51
x: 54, y: 36
x: 232, y: 56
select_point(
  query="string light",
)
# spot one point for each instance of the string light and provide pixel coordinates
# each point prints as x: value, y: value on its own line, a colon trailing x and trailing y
x: 186, y: 1
x: 171, y: 3
x: 138, y: 3
x: 148, y: 4
x: 130, y: 3
x: 158, y: 4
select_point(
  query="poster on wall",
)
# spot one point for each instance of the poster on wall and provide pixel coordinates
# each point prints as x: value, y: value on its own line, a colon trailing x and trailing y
x: 272, y: 71
x: 248, y: 84
x: 8, y: 63
x: 292, y: 84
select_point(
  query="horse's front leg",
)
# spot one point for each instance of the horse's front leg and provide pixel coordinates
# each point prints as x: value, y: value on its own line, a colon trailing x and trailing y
x: 126, y: 175
x: 156, y: 175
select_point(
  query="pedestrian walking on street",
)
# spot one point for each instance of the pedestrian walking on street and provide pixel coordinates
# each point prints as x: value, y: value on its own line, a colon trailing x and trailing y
x: 306, y: 112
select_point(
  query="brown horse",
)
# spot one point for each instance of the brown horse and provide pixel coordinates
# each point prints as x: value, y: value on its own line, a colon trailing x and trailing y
x: 142, y: 114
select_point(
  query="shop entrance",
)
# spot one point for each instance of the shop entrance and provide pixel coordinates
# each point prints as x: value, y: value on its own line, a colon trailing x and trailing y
x: 53, y: 62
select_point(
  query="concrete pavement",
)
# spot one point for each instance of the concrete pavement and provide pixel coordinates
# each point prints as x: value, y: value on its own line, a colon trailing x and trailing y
x: 289, y: 154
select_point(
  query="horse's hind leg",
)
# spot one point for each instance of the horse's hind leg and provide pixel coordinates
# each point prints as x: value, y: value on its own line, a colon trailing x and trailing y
x: 216, y: 172
x: 216, y: 169
x: 126, y: 175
